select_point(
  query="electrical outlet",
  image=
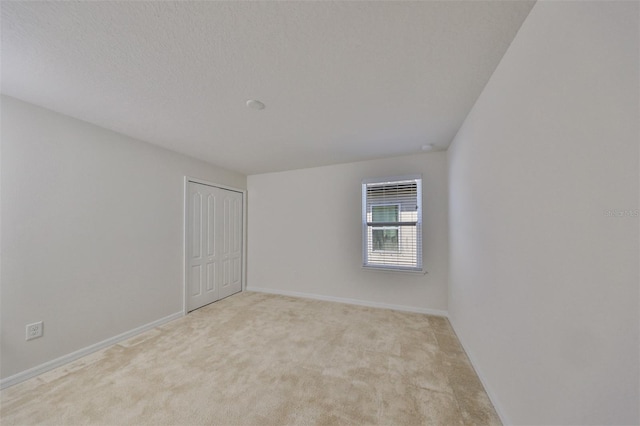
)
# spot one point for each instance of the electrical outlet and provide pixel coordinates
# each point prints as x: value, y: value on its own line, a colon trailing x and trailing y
x: 34, y: 330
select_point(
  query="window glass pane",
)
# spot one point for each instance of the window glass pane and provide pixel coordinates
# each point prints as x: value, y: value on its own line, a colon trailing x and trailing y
x: 385, y: 239
x: 384, y: 214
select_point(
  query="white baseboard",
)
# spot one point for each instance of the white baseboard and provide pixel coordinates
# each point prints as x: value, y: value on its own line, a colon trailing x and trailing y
x: 65, y: 359
x: 492, y: 396
x: 435, y: 312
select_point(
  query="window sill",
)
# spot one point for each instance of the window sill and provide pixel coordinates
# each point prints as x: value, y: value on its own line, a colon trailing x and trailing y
x: 395, y: 271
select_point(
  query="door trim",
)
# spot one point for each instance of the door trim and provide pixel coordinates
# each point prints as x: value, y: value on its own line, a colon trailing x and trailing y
x: 188, y: 179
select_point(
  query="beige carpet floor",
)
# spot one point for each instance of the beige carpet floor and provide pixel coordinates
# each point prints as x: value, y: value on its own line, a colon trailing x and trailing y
x: 258, y: 359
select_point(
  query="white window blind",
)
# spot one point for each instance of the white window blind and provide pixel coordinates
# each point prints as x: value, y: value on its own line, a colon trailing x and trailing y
x: 392, y: 223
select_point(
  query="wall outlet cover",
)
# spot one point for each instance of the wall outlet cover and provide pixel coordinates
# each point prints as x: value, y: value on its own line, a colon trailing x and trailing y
x: 34, y: 330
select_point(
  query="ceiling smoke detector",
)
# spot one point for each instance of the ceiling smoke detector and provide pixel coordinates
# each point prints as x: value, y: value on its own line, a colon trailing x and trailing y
x: 255, y: 104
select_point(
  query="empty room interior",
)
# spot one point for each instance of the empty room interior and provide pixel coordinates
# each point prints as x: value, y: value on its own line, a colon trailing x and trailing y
x: 268, y: 213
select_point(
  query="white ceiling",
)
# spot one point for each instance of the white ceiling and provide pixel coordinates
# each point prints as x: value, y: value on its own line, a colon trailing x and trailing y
x: 342, y: 81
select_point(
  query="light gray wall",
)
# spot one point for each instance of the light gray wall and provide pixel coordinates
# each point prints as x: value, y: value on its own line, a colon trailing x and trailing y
x: 305, y: 233
x: 92, y: 230
x: 543, y: 282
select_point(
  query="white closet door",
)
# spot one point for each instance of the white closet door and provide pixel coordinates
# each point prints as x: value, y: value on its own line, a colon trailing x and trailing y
x: 231, y: 243
x: 214, y: 244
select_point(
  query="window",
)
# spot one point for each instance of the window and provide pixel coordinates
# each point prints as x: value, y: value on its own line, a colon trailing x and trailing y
x: 392, y: 223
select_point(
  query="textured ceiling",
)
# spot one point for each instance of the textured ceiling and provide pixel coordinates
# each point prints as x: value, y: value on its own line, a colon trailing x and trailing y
x: 342, y: 81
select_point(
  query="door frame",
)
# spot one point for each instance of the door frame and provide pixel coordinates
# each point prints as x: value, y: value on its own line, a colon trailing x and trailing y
x: 243, y: 269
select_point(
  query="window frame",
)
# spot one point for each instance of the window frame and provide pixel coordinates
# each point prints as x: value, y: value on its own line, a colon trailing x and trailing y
x: 367, y: 225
